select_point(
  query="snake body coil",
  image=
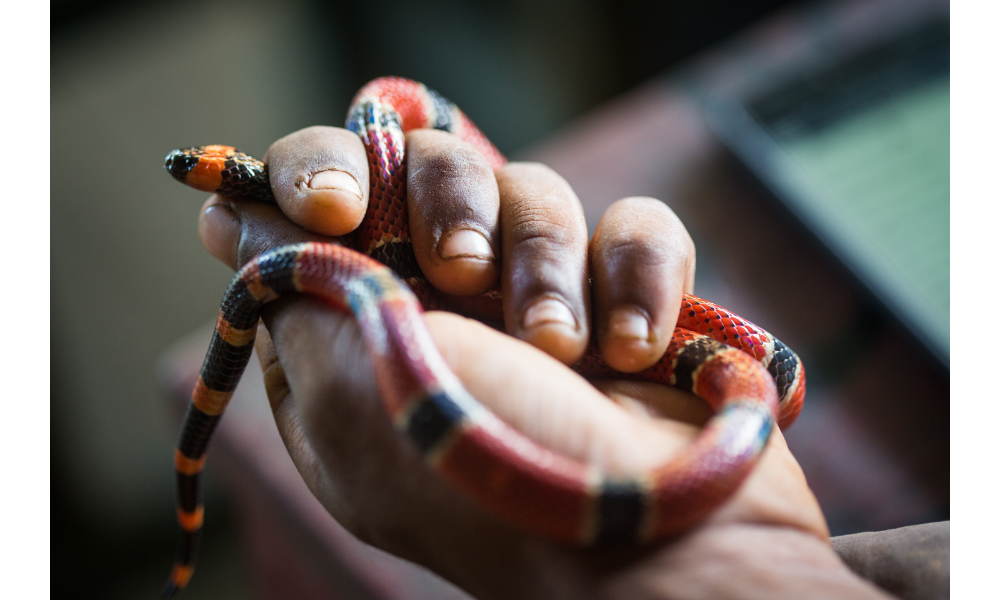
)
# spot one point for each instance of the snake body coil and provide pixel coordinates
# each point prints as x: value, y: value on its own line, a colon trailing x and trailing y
x: 748, y: 377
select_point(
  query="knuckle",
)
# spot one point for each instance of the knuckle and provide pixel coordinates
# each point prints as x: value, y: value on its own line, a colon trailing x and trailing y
x: 437, y: 164
x: 276, y: 385
x: 541, y: 208
x: 629, y: 258
x: 533, y: 169
x: 538, y: 223
x: 641, y: 225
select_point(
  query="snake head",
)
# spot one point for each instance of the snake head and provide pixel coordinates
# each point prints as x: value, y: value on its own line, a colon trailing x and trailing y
x: 201, y: 167
x: 222, y: 170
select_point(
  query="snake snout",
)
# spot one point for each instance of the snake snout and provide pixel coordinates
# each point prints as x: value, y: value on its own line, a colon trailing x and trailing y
x: 179, y: 162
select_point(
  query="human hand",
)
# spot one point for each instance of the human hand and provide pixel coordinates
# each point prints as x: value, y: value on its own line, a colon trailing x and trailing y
x: 641, y: 259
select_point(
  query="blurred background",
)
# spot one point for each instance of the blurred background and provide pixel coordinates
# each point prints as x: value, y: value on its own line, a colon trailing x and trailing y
x: 132, y: 80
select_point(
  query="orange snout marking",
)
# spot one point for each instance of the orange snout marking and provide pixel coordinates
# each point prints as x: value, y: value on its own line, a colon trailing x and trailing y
x: 207, y: 172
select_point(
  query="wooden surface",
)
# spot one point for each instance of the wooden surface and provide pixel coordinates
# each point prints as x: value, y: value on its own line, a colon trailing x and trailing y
x: 873, y: 438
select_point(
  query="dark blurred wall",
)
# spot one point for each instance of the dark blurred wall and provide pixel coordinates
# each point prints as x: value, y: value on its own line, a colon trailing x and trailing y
x: 522, y: 68
x: 132, y: 80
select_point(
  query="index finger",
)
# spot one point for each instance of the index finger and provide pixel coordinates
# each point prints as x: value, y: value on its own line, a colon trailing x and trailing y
x: 319, y: 176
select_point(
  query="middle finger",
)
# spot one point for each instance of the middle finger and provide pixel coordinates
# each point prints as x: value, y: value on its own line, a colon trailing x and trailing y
x: 544, y: 280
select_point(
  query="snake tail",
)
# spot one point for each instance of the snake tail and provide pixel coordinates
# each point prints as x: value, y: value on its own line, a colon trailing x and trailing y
x: 226, y: 359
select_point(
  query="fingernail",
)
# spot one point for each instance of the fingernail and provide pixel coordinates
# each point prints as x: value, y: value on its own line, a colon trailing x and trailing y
x: 549, y: 311
x: 220, y: 229
x: 465, y: 243
x: 335, y: 180
x: 628, y: 322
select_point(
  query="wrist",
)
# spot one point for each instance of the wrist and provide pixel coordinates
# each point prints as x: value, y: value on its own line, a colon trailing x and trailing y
x: 726, y: 562
x: 740, y: 561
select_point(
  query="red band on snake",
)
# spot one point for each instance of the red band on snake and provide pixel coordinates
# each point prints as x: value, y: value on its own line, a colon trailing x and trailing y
x: 746, y: 375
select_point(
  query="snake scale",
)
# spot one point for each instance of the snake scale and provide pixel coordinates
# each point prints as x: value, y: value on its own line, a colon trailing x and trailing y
x: 749, y: 378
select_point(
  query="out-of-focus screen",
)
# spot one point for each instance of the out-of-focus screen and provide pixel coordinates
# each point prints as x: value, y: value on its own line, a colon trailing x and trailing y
x: 859, y: 151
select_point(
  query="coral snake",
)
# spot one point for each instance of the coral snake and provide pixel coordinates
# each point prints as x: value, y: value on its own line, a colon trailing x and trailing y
x: 746, y: 375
